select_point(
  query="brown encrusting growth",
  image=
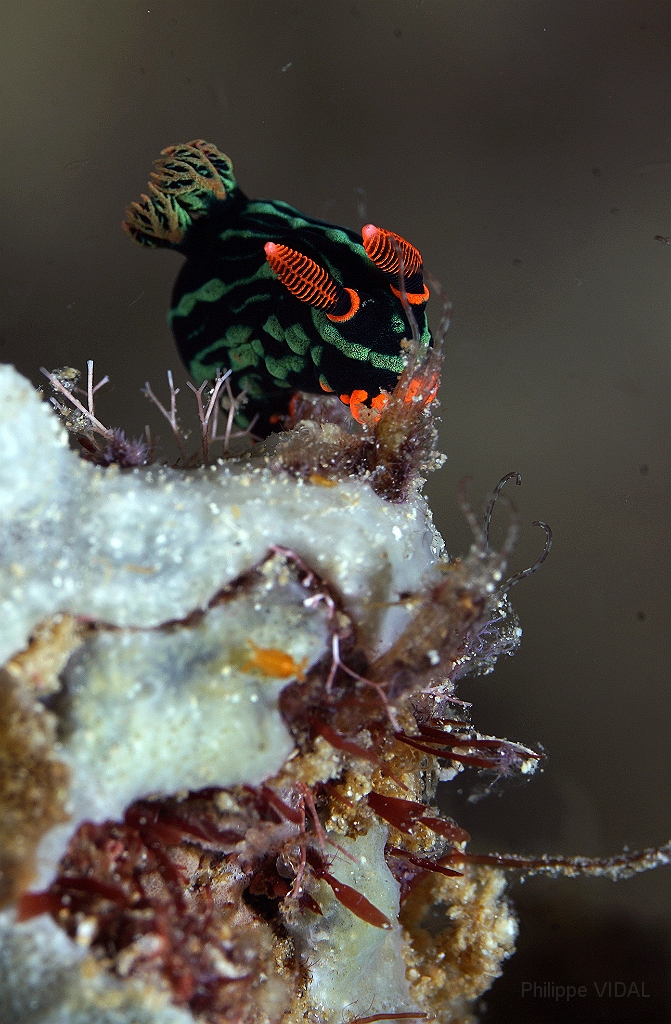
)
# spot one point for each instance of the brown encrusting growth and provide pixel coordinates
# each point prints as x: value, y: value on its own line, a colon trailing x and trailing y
x: 199, y: 894
x: 184, y: 894
x: 393, y: 450
x: 51, y: 645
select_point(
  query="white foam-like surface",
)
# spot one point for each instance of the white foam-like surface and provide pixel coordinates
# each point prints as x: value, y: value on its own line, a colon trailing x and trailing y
x: 140, y: 547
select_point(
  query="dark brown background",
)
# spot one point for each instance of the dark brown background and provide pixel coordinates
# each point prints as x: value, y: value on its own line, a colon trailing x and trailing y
x: 524, y: 147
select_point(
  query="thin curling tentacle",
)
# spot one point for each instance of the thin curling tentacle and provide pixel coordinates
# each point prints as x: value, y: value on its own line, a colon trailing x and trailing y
x: 513, y: 533
x: 310, y: 283
x: 547, y: 547
x: 494, y: 498
x: 387, y: 251
x: 497, y: 561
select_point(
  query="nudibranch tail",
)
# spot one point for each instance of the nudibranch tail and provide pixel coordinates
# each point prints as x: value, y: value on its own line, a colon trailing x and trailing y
x: 187, y: 180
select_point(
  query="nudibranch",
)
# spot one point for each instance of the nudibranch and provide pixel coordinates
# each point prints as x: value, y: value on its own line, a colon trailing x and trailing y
x: 285, y: 301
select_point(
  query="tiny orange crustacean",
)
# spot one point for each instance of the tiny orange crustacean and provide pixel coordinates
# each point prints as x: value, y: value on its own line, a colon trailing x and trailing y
x: 272, y: 662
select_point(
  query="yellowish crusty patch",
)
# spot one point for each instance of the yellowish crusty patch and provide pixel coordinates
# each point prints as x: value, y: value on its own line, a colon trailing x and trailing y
x: 33, y: 784
x: 449, y: 968
x: 47, y: 654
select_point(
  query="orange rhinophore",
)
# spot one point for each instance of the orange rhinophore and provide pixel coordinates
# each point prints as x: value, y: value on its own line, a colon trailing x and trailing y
x: 310, y: 283
x: 379, y: 246
x: 385, y: 249
x: 272, y: 662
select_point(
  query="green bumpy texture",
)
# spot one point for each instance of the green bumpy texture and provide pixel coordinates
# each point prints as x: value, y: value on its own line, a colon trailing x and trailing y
x: 230, y: 311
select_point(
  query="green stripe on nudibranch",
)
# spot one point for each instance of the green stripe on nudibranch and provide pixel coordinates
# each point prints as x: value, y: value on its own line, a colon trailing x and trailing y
x: 394, y: 364
x: 214, y: 290
x: 211, y: 291
x: 274, y: 328
x: 331, y: 334
x: 235, y: 338
x: 297, y: 340
x: 258, y: 297
x: 242, y: 357
x: 281, y: 368
x: 279, y: 212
